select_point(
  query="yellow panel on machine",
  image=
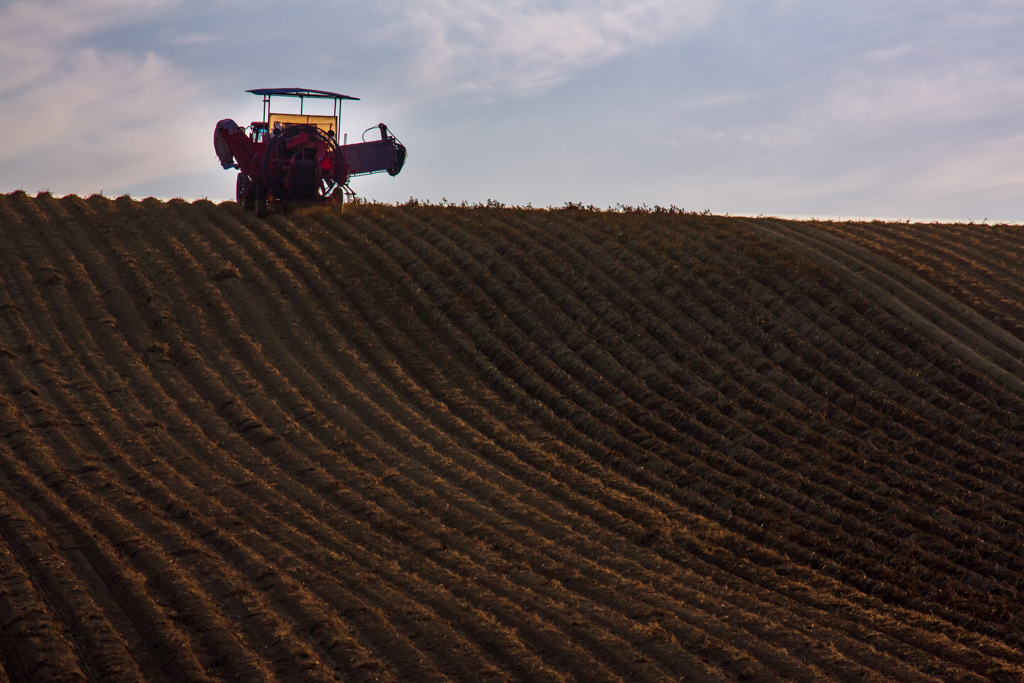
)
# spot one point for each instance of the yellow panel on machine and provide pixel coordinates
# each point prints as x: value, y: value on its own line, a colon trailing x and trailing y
x: 328, y: 124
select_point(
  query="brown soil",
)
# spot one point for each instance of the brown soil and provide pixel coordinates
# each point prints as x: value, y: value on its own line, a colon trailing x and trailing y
x: 430, y: 443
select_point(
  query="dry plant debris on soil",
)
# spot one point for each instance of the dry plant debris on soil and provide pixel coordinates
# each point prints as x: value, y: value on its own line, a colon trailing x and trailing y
x: 432, y: 443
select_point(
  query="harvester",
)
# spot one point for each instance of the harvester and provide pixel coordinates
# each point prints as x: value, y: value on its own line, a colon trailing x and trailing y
x: 289, y: 159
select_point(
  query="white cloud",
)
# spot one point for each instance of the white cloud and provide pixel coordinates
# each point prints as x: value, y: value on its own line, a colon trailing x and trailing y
x: 966, y: 92
x: 991, y: 169
x: 526, y: 46
x: 35, y: 36
x: 80, y: 119
x: 23, y: 23
x: 109, y: 120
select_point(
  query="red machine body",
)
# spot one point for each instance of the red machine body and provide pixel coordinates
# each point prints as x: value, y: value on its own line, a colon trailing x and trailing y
x: 297, y: 158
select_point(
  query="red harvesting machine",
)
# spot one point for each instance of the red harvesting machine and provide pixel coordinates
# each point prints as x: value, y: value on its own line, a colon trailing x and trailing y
x: 297, y: 158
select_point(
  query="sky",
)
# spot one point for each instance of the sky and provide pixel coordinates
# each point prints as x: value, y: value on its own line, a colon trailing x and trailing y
x: 894, y: 109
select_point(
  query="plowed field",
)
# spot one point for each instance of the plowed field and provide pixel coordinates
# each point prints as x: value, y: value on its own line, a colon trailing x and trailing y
x: 428, y: 443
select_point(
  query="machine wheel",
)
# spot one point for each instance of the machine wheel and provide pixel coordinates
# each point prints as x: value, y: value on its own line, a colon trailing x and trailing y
x: 260, y: 200
x: 288, y: 171
x: 244, y: 192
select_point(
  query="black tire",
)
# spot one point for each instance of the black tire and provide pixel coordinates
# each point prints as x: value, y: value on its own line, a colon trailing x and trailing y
x: 260, y: 201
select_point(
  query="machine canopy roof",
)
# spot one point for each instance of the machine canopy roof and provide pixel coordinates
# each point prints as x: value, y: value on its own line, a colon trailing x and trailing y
x: 301, y: 92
